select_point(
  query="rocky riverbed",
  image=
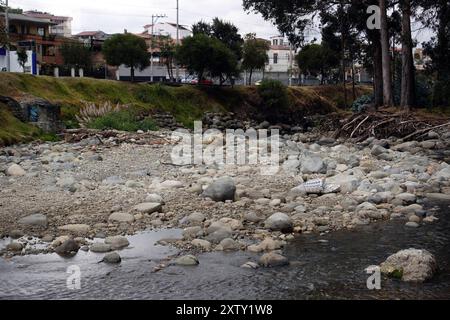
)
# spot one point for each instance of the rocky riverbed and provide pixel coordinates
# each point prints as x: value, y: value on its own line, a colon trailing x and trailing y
x: 88, y: 195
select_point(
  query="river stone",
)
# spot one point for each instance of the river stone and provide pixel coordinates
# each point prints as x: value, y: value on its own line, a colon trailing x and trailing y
x: 121, y: 217
x: 312, y: 164
x: 377, y: 150
x: 188, y: 260
x: 406, y: 198
x: 200, y: 243
x: 99, y: 247
x: 250, y: 265
x: 438, y: 197
x: 221, y: 190
x: 195, y: 218
x: 228, y: 244
x: 411, y: 264
x: 411, y: 224
x: 68, y: 247
x: 219, y: 235
x: 14, y: 246
x: 16, y: 234
x: 77, y: 229
x: 15, y: 171
x: 273, y: 259
x: 171, y: 184
x: 279, y: 222
x: 155, y: 198
x: 148, y: 207
x: 117, y: 242
x: 253, y: 217
x: 35, y: 220
x: 112, y: 258
x: 192, y: 232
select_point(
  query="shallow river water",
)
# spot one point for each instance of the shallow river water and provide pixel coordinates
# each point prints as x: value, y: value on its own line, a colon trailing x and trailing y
x: 322, y: 267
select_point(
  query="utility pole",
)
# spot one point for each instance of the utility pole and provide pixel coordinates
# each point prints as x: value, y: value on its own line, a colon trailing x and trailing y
x: 8, y: 63
x: 177, y: 73
x: 155, y: 18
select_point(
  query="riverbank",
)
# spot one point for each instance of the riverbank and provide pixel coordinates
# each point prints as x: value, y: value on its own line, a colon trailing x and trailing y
x: 95, y: 189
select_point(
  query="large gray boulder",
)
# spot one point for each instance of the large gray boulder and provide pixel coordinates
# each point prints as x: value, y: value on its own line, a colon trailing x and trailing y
x: 410, y: 265
x: 279, y: 222
x: 221, y: 190
x: 34, y: 220
x: 273, y: 259
x: 312, y: 164
x: 15, y: 171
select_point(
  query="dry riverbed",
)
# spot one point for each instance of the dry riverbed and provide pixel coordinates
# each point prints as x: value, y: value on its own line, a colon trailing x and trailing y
x: 63, y: 195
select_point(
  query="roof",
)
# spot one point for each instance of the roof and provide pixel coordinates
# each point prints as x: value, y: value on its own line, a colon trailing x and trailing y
x: 88, y: 33
x: 181, y: 27
x: 22, y: 17
x: 46, y: 15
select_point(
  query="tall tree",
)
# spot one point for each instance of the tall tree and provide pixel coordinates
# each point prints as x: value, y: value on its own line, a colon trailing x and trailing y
x: 254, y: 54
x: 388, y: 98
x: 127, y: 49
x: 407, y: 99
x: 167, y: 53
x: 75, y: 54
x: 317, y: 59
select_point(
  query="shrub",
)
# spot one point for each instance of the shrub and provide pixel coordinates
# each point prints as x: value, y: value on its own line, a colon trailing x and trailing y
x: 273, y: 94
x: 124, y: 120
x: 90, y: 111
x: 360, y: 103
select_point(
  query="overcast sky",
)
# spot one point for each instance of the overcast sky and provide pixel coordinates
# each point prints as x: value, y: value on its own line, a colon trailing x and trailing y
x: 113, y: 16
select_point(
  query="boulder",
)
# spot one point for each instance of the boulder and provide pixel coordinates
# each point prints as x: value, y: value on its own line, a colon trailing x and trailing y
x: 155, y: 198
x: 67, y: 248
x: 148, y: 207
x: 34, y: 220
x: 228, y: 244
x: 279, y: 222
x: 15, y: 171
x: 188, y: 260
x: 99, y: 247
x: 410, y: 265
x: 221, y: 190
x: 121, y: 217
x: 273, y: 259
x: 313, y: 164
x: 117, y: 242
x: 200, y: 243
x: 112, y: 258
x: 77, y: 229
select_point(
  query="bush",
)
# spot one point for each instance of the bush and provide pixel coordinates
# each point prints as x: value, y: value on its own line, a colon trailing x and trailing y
x: 273, y: 94
x: 124, y: 120
x: 360, y: 103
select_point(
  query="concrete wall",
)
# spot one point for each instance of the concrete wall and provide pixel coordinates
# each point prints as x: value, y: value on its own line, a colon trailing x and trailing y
x: 14, y: 63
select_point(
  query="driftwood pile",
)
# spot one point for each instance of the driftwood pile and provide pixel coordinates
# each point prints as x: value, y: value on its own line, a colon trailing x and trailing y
x: 384, y: 124
x: 106, y: 137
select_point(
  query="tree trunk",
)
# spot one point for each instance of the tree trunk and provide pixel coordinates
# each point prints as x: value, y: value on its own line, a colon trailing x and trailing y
x: 407, y: 100
x: 377, y: 75
x: 343, y: 68
x: 388, y: 99
x: 250, y: 77
x: 132, y: 73
x: 353, y: 80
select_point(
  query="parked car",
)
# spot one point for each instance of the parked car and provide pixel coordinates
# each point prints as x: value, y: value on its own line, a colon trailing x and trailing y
x: 258, y: 83
x: 203, y: 81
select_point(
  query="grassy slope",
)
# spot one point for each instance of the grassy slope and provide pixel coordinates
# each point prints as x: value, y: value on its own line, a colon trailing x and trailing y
x: 187, y: 103
x: 13, y: 130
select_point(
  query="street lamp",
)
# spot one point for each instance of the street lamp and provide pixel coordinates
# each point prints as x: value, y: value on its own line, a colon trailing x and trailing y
x: 155, y: 18
x: 8, y: 63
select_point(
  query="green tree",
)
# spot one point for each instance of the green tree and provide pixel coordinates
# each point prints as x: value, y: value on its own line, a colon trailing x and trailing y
x: 127, y: 49
x: 317, y: 59
x: 22, y: 58
x: 167, y: 53
x: 254, y: 54
x: 75, y: 55
x: 224, y: 31
x: 202, y: 54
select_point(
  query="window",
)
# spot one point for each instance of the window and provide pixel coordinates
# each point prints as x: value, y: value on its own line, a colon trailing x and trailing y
x: 275, y: 42
x: 275, y: 58
x: 41, y: 32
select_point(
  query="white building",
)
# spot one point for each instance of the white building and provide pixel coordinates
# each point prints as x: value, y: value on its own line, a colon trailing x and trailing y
x: 280, y: 55
x: 168, y: 29
x: 30, y: 66
x: 62, y: 27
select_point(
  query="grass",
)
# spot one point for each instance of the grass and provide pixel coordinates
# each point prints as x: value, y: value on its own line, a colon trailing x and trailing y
x: 124, y: 120
x: 185, y: 103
